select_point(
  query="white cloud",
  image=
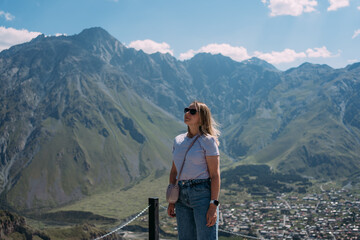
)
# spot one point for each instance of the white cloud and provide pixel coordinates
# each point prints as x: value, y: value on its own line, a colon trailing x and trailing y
x: 6, y: 15
x: 60, y: 34
x: 11, y: 36
x: 318, y: 52
x: 336, y: 4
x: 358, y: 7
x: 57, y: 35
x: 149, y: 46
x: 240, y: 53
x: 290, y: 7
x: 290, y: 55
x: 353, y: 61
x: 236, y: 53
x: 356, y: 33
x: 187, y: 55
x: 286, y: 56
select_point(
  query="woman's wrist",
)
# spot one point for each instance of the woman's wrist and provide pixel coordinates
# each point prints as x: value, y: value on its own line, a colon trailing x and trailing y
x: 212, y: 205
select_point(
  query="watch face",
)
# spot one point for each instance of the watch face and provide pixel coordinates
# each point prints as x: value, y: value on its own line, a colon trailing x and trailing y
x: 216, y: 202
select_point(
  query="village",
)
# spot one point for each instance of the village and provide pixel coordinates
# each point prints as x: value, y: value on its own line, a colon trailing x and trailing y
x: 331, y: 214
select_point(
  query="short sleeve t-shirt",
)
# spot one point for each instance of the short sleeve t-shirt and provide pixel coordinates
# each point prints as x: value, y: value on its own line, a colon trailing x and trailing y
x: 195, y: 166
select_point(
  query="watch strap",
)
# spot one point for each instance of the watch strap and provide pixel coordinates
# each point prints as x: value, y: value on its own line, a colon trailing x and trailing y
x: 215, y: 202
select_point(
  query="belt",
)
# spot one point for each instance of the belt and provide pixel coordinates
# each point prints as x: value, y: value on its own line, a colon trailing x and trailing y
x: 193, y: 182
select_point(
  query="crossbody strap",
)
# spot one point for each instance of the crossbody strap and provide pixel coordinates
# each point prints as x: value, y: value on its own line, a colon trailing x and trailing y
x: 182, y: 166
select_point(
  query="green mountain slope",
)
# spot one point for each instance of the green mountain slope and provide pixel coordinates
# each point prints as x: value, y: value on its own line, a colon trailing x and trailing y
x: 80, y: 127
x: 303, y: 128
x: 84, y: 115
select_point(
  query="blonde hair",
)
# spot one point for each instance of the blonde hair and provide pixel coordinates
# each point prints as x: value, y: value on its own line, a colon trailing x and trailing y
x: 208, y: 126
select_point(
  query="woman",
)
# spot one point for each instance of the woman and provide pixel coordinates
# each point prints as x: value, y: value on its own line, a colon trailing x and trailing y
x: 199, y: 181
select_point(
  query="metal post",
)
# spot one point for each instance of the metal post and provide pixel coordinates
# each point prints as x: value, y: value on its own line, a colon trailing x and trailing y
x: 154, y: 219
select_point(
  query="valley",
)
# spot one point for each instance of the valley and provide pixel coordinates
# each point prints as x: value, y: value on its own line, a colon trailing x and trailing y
x: 87, y: 124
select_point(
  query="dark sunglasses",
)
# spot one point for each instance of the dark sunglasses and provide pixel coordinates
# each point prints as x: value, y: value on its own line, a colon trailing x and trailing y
x: 192, y: 111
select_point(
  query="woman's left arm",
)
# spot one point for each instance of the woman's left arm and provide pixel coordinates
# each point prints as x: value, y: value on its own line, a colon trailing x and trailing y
x: 213, y: 163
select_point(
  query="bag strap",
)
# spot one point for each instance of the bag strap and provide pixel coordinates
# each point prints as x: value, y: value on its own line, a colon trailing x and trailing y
x: 182, y: 166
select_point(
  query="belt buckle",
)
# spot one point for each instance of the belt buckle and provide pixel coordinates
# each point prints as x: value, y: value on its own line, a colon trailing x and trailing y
x: 192, y: 182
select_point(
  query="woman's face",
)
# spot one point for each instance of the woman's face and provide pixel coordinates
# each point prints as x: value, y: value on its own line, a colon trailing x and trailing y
x: 190, y: 119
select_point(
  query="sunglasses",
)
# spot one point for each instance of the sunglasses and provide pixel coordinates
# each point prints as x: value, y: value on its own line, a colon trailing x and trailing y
x: 192, y: 111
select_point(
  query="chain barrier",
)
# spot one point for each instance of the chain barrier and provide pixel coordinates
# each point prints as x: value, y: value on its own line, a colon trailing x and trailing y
x: 238, y: 234
x: 163, y: 207
x: 122, y: 226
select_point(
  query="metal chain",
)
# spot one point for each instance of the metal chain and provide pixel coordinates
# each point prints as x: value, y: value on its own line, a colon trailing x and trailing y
x: 122, y: 226
x: 238, y: 234
x: 163, y: 207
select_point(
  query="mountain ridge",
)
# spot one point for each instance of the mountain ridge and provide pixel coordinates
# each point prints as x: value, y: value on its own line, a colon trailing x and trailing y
x: 83, y: 114
x: 62, y: 102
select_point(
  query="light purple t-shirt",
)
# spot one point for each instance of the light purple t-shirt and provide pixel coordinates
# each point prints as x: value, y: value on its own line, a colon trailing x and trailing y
x: 195, y: 165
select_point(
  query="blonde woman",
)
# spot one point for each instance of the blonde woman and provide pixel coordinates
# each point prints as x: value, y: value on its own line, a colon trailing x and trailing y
x: 199, y: 181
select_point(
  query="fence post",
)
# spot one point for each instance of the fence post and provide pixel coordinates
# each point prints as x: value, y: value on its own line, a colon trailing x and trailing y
x: 154, y: 219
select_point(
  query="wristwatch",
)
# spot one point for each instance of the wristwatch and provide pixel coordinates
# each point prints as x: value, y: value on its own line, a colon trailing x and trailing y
x: 215, y: 202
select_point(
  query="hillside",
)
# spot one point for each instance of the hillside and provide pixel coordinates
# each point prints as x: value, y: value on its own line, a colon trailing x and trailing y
x: 84, y: 114
x: 72, y: 124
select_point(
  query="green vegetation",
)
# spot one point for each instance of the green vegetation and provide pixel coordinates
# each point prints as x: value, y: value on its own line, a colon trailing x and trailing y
x: 87, y: 125
x: 67, y: 166
x: 259, y: 179
x: 122, y: 203
x: 84, y: 231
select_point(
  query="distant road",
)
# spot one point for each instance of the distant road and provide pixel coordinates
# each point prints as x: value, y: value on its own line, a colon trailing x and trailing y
x: 286, y: 203
x: 317, y: 205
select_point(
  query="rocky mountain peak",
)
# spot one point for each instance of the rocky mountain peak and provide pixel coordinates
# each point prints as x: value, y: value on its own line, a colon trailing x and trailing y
x: 94, y: 33
x: 355, y: 66
x: 164, y: 56
x: 86, y: 103
x: 99, y: 42
x: 38, y: 38
x: 311, y: 66
x: 211, y: 57
x: 260, y: 62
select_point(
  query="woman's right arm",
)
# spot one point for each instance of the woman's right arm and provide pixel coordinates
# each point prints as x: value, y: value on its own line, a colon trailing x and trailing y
x: 173, y: 173
x: 172, y: 180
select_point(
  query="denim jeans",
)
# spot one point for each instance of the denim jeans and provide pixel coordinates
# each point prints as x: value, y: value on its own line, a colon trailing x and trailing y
x: 191, y: 209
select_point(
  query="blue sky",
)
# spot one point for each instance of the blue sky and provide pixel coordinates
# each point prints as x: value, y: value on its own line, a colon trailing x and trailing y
x: 285, y: 33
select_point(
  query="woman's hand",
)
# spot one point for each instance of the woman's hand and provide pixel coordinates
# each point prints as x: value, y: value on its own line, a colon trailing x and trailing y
x: 171, y: 210
x: 211, y: 215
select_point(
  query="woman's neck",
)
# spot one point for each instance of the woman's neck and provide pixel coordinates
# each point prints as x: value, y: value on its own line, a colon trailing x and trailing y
x: 193, y: 130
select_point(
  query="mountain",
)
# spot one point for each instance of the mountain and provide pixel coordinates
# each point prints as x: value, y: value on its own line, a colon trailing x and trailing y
x: 73, y: 122
x: 84, y: 114
x: 259, y: 62
x: 304, y: 123
x: 13, y: 226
